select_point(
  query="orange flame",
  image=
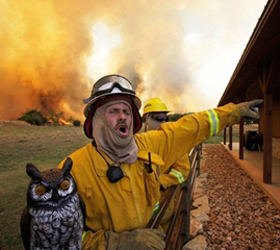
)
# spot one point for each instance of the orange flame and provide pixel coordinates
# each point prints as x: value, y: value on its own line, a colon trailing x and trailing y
x: 61, y: 121
x: 58, y: 121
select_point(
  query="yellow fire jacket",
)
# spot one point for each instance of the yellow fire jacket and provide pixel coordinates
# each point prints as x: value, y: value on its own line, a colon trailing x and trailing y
x: 176, y: 174
x: 128, y: 203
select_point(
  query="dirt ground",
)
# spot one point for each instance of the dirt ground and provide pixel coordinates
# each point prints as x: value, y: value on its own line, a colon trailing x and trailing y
x: 241, y: 215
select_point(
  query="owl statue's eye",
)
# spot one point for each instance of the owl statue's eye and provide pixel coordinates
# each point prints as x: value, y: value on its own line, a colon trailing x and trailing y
x: 65, y: 184
x: 40, y: 190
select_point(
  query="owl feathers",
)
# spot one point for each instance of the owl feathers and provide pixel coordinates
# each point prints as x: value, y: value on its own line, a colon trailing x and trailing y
x: 54, y: 217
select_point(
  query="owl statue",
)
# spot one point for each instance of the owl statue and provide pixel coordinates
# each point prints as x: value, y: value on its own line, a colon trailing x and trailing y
x: 55, y: 214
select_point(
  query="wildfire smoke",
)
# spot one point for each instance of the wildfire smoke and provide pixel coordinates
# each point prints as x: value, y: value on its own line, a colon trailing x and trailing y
x: 46, y: 48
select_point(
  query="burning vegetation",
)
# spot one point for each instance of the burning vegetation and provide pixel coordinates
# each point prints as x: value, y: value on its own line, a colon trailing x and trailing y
x: 59, y: 119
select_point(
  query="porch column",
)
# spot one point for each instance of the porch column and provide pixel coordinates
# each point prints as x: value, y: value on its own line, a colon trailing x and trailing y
x: 241, y: 133
x: 230, y: 138
x: 267, y: 139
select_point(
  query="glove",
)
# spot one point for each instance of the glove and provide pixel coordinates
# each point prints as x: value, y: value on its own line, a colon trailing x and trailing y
x: 141, y: 239
x: 246, y: 109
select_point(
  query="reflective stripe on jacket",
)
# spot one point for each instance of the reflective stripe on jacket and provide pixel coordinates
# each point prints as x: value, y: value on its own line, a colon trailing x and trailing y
x: 177, y: 173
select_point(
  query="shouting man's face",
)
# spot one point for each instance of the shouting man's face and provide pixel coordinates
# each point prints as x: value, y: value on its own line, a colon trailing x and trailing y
x: 119, y: 116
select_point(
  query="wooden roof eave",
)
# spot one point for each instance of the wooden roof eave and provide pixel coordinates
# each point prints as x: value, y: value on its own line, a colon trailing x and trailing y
x: 256, y: 52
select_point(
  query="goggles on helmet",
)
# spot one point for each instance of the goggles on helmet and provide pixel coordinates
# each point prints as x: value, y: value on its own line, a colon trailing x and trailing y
x: 111, y: 84
x: 112, y: 87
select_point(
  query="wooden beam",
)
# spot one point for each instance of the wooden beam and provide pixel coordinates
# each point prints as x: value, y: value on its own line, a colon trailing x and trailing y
x: 273, y: 76
x: 270, y: 76
x: 262, y: 79
x: 267, y: 142
x: 225, y: 136
x: 240, y: 96
x: 241, y: 133
x: 230, y: 138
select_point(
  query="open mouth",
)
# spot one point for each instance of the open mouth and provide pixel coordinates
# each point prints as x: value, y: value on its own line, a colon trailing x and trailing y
x: 122, y: 129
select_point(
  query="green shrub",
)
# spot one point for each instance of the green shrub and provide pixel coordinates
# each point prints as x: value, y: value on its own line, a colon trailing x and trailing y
x: 76, y: 123
x: 33, y: 117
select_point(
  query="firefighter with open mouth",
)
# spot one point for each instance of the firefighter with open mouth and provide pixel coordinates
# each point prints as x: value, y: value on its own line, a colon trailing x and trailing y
x: 118, y: 174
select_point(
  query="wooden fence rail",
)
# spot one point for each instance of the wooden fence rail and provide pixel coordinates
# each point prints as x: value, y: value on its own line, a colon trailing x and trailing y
x: 178, y: 232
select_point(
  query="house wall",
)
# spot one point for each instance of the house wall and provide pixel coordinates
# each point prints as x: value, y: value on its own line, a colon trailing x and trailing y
x: 275, y: 117
x: 275, y: 125
x: 276, y: 147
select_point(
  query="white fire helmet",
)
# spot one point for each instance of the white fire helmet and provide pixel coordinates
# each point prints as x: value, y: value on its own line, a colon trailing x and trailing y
x: 108, y: 88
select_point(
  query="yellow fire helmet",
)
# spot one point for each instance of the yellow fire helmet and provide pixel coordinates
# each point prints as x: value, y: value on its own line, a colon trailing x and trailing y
x: 155, y: 105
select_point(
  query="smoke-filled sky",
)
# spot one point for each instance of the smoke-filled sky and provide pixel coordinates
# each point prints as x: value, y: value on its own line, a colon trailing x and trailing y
x: 183, y: 51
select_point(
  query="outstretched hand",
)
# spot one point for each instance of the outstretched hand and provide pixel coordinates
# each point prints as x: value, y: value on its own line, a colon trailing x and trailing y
x: 247, y: 109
